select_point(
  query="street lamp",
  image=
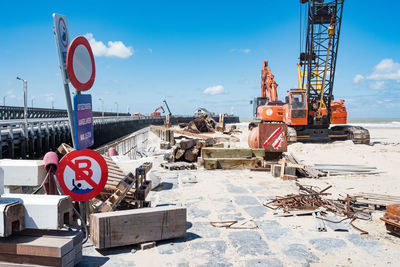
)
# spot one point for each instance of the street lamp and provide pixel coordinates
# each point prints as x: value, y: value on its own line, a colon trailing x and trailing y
x: 25, y: 104
x: 116, y: 103
x: 33, y: 98
x: 4, y: 100
x: 102, y: 107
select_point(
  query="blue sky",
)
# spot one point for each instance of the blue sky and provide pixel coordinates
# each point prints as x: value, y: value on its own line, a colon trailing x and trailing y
x: 175, y: 50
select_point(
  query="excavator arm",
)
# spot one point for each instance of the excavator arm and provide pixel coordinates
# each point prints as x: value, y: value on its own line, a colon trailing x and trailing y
x: 268, y: 84
x: 157, y: 109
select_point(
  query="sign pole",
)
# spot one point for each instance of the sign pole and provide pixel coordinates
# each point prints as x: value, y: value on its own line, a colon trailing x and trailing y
x: 70, y: 113
x: 62, y: 41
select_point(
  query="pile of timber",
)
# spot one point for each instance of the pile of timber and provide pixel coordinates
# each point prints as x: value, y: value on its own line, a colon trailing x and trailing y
x: 231, y: 158
x: 204, y: 124
x: 187, y: 149
x: 42, y: 247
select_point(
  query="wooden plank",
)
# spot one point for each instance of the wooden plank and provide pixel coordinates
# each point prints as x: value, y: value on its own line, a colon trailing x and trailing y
x: 208, y: 139
x: 120, y: 228
x: 231, y: 163
x: 75, y: 236
x: 66, y: 260
x: 215, y: 152
x: 36, y: 246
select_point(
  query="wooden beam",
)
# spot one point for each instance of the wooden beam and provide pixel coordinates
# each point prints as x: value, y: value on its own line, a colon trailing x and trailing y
x: 231, y: 163
x: 120, y: 228
x: 214, y: 152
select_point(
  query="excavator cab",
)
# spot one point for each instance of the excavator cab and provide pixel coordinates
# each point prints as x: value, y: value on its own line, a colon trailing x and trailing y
x: 296, y: 108
x: 258, y: 101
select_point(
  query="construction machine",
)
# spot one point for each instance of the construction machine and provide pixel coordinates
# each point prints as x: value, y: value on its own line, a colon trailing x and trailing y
x: 156, y: 113
x: 308, y: 110
x: 166, y: 104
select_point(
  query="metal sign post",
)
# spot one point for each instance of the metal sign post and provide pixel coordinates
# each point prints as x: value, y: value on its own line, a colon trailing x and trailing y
x: 62, y: 41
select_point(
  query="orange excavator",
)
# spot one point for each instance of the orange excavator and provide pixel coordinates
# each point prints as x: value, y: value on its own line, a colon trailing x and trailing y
x: 309, y: 110
x: 156, y: 113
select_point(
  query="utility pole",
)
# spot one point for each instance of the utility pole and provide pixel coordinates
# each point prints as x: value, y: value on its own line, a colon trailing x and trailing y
x: 25, y: 104
x: 116, y: 103
x: 4, y: 100
x: 102, y: 107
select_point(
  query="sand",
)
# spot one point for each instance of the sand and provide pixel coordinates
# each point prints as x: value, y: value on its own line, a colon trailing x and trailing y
x: 236, y: 195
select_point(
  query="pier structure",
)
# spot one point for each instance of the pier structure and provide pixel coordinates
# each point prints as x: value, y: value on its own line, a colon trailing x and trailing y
x: 46, y: 134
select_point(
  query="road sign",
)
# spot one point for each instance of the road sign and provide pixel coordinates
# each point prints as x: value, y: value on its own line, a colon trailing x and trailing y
x: 80, y: 64
x: 83, y: 121
x: 62, y: 41
x: 82, y: 174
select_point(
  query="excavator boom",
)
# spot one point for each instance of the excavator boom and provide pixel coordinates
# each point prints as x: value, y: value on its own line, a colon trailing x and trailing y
x: 268, y: 84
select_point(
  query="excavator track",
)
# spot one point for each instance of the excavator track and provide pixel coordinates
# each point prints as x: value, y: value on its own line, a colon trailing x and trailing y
x: 357, y: 134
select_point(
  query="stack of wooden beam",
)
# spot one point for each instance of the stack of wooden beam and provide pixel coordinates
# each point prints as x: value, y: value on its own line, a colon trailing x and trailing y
x: 42, y: 247
x: 231, y: 158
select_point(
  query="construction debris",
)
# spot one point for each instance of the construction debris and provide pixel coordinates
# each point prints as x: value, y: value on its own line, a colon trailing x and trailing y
x: 204, y: 124
x: 179, y: 166
x: 338, y: 169
x: 310, y: 199
x: 243, y: 224
x: 376, y: 201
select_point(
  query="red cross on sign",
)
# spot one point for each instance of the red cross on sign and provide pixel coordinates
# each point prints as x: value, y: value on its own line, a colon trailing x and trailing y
x: 82, y: 174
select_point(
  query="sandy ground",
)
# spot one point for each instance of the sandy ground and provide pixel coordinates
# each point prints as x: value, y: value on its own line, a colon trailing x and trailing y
x: 238, y: 195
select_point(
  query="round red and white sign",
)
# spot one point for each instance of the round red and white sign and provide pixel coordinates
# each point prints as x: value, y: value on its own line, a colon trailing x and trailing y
x: 80, y: 64
x: 82, y: 174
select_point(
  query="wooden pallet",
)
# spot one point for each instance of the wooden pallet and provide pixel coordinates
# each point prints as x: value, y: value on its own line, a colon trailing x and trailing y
x: 120, y: 193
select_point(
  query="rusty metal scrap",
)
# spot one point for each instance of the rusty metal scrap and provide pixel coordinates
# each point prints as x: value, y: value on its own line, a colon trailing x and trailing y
x: 310, y: 199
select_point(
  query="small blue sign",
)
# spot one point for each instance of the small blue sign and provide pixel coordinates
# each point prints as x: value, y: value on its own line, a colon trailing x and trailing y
x: 83, y: 121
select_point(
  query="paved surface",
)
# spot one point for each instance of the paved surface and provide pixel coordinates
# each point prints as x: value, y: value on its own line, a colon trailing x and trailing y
x: 238, y: 195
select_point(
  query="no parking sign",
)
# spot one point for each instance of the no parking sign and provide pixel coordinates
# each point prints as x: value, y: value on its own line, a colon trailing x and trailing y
x: 82, y: 174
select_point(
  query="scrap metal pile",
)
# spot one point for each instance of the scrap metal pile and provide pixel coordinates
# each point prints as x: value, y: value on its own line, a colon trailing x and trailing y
x: 314, y: 202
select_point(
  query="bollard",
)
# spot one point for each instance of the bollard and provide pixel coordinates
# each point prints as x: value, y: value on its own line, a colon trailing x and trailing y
x: 51, y: 165
x: 112, y: 152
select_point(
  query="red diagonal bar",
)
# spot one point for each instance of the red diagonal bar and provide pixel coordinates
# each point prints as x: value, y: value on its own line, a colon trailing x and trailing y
x: 81, y: 174
x: 277, y: 131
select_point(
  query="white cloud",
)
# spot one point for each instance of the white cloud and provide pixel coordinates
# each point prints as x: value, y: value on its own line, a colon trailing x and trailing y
x: 378, y: 85
x: 385, y: 75
x: 112, y: 49
x: 241, y: 50
x: 214, y: 90
x: 150, y: 50
x: 386, y: 70
x: 358, y: 78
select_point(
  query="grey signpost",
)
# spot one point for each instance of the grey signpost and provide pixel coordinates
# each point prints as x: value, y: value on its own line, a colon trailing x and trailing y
x: 62, y: 41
